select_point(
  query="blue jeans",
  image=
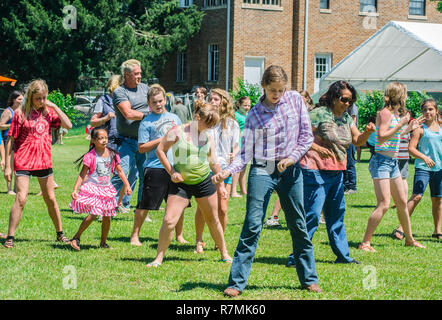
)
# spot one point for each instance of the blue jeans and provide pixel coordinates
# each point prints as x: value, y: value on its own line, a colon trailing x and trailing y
x: 260, y: 187
x: 132, y: 163
x: 324, y: 190
x: 350, y: 173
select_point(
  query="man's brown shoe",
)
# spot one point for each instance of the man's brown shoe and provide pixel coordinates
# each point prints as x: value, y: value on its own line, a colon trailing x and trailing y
x: 230, y: 292
x: 313, y: 288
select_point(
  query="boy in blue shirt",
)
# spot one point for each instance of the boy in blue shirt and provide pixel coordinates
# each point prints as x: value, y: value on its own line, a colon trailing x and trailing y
x: 156, y: 179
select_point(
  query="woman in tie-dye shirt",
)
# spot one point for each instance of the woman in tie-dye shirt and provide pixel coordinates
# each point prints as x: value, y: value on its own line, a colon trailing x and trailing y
x: 30, y: 133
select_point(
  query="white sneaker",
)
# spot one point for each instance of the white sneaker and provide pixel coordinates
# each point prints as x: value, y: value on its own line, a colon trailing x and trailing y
x: 148, y: 219
x: 321, y: 219
x: 272, y: 222
x: 122, y: 209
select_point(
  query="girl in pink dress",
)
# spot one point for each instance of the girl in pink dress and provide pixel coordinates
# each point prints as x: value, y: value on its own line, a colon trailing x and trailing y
x: 97, y: 195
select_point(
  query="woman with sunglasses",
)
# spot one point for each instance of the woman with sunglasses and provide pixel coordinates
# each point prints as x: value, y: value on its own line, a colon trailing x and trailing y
x: 323, y: 165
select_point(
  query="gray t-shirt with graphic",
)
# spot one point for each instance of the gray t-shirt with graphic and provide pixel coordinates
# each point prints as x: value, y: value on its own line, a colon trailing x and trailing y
x: 138, y: 101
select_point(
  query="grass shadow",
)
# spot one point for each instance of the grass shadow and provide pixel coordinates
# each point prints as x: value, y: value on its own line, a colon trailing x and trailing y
x: 362, y: 206
x: 175, y: 246
x: 127, y: 239
x: 355, y: 245
x: 188, y: 286
x: 61, y: 246
x: 166, y: 259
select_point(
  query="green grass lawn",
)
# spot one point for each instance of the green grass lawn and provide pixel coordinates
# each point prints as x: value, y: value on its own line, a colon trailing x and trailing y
x: 40, y: 268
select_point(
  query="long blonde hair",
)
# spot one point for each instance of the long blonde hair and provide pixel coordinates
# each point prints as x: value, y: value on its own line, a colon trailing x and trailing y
x: 395, y: 94
x: 36, y: 86
x: 113, y: 83
x: 226, y: 108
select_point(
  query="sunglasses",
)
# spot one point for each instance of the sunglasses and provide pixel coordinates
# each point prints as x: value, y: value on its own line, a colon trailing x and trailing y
x: 345, y: 100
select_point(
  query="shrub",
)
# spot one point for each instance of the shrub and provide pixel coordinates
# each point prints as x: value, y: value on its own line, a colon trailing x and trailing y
x: 66, y: 104
x: 253, y: 91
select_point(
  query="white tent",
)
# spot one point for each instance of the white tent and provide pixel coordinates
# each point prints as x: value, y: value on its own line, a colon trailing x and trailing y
x: 408, y: 52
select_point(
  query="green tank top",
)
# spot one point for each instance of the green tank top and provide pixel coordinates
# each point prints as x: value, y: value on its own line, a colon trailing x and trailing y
x: 191, y: 160
x: 430, y: 144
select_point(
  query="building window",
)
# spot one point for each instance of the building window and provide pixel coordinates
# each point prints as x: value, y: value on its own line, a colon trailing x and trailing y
x: 322, y: 66
x: 263, y: 2
x: 214, y: 3
x: 417, y: 8
x: 213, y: 62
x: 368, y: 6
x: 324, y: 4
x: 181, y: 67
x: 185, y: 3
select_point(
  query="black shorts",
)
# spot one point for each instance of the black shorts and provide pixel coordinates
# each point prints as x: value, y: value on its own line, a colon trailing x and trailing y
x: 200, y: 190
x: 156, y: 184
x: 35, y: 173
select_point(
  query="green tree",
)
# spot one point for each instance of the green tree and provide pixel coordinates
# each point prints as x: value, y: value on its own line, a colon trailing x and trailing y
x: 37, y: 44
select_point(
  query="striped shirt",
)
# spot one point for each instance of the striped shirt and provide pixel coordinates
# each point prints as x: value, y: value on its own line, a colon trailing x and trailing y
x: 403, y: 147
x: 272, y: 135
x: 390, y: 146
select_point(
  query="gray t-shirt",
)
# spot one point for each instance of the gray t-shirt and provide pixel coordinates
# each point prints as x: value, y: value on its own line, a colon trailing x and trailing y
x: 181, y: 111
x: 353, y: 112
x: 138, y: 101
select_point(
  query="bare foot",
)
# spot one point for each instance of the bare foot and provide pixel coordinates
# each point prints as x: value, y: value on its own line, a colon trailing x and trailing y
x: 182, y: 240
x: 39, y: 194
x: 153, y: 264
x: 12, y: 193
x: 235, y: 195
x: 135, y: 242
x: 199, y: 247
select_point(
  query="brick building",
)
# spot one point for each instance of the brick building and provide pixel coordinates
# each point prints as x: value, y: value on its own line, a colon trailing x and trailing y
x: 265, y: 32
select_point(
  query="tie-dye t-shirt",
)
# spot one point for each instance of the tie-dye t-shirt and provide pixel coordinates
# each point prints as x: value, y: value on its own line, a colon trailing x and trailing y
x: 32, y: 145
x: 332, y: 133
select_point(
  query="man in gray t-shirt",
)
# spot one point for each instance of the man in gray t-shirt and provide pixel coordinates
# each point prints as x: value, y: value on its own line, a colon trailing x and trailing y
x: 137, y: 98
x: 130, y: 104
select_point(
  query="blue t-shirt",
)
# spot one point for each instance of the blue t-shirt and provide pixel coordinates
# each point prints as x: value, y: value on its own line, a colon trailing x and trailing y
x: 154, y: 126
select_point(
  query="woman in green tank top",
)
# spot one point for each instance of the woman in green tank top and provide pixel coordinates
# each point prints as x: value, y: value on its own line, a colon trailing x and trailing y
x: 194, y: 155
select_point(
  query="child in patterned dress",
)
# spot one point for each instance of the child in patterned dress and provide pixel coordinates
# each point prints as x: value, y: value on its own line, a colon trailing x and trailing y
x: 97, y: 195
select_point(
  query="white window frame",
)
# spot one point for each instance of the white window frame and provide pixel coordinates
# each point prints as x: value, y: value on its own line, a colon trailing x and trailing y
x: 213, y: 63
x: 181, y: 67
x: 324, y: 67
x: 414, y: 14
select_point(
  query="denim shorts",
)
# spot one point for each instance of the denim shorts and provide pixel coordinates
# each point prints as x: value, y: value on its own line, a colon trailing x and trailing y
x: 383, y: 167
x: 403, y: 168
x: 423, y: 177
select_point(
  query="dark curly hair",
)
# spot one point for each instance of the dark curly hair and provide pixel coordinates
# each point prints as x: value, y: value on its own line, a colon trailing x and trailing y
x: 334, y: 92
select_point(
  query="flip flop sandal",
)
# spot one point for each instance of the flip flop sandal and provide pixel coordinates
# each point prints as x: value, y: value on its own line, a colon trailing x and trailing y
x: 228, y: 260
x: 62, y: 238
x: 75, y: 243
x: 366, y: 247
x: 153, y: 265
x: 9, y: 243
x: 397, y: 232
x: 437, y: 236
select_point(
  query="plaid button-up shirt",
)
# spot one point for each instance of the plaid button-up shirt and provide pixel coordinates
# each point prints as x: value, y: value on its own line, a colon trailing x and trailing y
x: 273, y: 135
